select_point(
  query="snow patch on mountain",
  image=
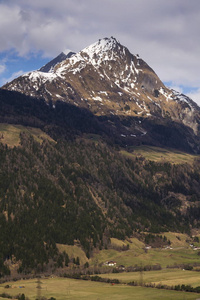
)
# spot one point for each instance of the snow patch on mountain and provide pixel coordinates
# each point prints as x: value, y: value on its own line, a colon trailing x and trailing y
x: 40, y: 77
x: 103, y: 50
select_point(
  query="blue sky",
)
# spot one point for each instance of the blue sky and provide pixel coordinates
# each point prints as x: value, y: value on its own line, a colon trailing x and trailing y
x: 164, y: 33
x: 15, y: 65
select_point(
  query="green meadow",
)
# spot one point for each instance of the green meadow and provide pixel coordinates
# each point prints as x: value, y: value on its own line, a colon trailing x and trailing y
x: 169, y: 277
x: 153, y: 256
x: 62, y: 289
x: 179, y: 252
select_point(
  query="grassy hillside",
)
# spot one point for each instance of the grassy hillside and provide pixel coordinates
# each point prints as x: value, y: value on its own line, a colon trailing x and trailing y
x: 73, y: 252
x: 158, y: 154
x: 179, y: 252
x: 62, y: 288
x: 10, y: 134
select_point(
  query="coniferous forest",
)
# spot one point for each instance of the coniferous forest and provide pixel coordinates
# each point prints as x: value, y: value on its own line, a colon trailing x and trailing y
x: 77, y: 189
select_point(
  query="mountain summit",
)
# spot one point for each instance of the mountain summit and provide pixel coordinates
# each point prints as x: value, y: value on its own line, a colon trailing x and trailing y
x: 108, y: 80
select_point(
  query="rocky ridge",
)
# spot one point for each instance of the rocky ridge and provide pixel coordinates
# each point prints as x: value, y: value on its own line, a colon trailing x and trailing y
x: 49, y: 67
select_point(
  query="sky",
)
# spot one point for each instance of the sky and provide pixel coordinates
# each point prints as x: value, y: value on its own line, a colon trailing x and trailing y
x: 165, y: 33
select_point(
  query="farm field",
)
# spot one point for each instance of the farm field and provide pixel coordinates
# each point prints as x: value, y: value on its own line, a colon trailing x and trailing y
x: 62, y: 289
x: 179, y: 252
x: 168, y: 277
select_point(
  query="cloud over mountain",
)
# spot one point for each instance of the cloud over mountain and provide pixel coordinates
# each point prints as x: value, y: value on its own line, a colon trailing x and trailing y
x: 164, y: 33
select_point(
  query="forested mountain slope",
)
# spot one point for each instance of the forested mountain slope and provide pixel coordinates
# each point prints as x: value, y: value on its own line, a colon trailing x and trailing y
x: 73, y: 180
x: 84, y: 190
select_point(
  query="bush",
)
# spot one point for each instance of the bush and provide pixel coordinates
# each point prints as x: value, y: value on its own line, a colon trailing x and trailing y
x: 188, y: 267
x: 4, y: 295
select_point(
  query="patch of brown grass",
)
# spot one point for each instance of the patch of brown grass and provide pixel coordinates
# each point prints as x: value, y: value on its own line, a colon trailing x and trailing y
x: 10, y: 134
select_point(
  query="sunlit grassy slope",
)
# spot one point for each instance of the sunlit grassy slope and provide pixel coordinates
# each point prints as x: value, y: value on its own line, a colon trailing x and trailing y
x: 10, y: 134
x: 164, y: 257
x: 179, y: 252
x: 160, y: 154
x: 73, y: 252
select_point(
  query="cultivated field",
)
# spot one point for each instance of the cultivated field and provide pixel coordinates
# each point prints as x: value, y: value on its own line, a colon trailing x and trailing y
x: 180, y: 252
x: 62, y: 289
x: 169, y: 277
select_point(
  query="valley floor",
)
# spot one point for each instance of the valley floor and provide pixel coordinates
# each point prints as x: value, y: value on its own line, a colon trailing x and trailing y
x: 62, y: 289
x: 173, y: 261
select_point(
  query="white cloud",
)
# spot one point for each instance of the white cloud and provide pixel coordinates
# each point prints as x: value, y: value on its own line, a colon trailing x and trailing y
x: 11, y: 28
x: 195, y: 95
x: 164, y: 33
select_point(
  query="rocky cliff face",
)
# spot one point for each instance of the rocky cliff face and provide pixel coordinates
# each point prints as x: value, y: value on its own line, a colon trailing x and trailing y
x: 108, y: 80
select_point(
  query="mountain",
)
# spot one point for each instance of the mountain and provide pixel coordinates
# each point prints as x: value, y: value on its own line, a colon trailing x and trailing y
x: 69, y: 169
x: 106, y: 79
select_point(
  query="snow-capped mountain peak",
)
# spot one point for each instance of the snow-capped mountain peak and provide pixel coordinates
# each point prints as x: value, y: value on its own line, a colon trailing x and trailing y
x: 104, y: 50
x: 102, y: 46
x: 107, y: 79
